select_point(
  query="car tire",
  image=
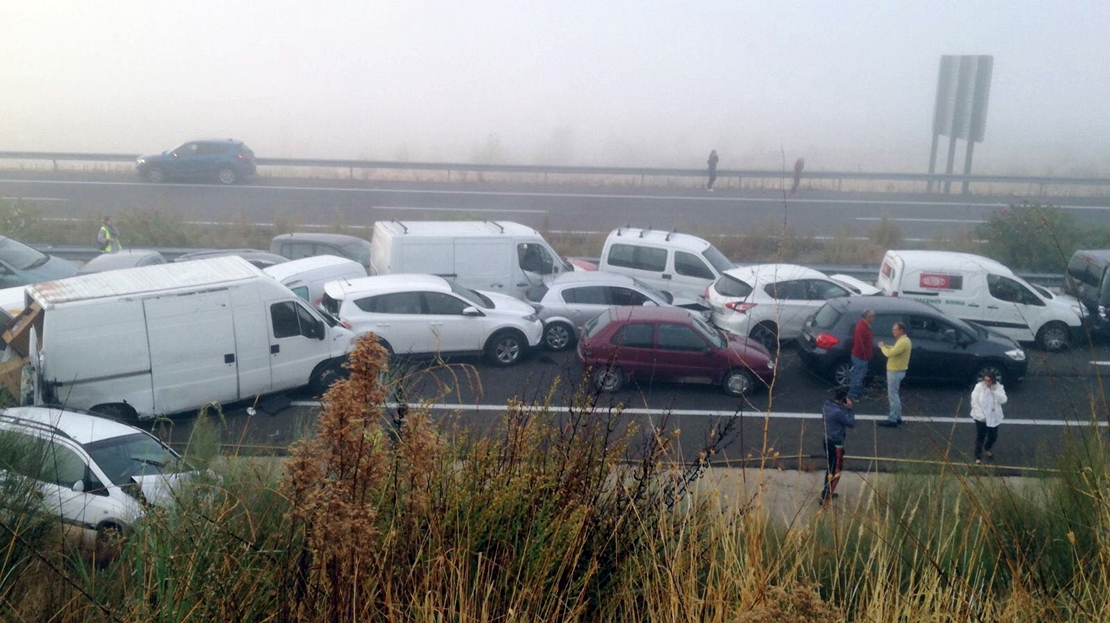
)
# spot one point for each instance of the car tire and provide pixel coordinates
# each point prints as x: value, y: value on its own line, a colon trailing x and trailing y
x: 738, y: 382
x: 607, y: 378
x: 155, y: 175
x: 324, y: 376
x: 841, y: 373
x: 766, y: 335
x: 506, y: 348
x: 116, y: 411
x: 994, y: 368
x: 558, y: 336
x: 227, y: 176
x: 1054, y: 337
x: 108, y: 543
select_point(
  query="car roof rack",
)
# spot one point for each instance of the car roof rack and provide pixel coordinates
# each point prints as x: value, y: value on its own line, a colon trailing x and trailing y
x: 404, y: 229
x: 35, y: 425
x: 669, y: 234
x: 497, y: 225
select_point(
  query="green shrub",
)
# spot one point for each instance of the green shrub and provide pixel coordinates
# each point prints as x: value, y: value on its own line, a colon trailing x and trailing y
x: 1031, y: 237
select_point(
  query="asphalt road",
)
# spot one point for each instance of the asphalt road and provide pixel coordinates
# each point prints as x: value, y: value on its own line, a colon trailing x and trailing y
x: 1060, y: 396
x: 550, y: 208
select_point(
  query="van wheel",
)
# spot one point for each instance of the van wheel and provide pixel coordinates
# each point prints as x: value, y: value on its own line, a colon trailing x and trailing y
x: 116, y: 411
x: 738, y: 382
x: 505, y: 348
x: 1053, y: 337
x: 324, y: 376
x: 607, y: 378
x: 766, y: 335
x: 558, y: 336
x: 841, y: 373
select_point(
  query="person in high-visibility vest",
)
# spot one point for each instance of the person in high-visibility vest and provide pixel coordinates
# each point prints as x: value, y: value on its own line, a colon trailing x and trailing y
x: 108, y: 237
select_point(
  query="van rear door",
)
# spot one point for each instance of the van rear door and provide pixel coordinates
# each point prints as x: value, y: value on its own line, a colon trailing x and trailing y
x: 192, y: 350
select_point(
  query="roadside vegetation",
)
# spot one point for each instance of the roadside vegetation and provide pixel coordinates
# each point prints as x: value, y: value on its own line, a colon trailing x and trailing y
x: 388, y: 515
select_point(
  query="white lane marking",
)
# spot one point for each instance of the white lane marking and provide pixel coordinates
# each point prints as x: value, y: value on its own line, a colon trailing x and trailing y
x: 460, y: 210
x: 1100, y: 363
x: 505, y: 193
x: 58, y: 199
x: 774, y: 415
x: 920, y: 220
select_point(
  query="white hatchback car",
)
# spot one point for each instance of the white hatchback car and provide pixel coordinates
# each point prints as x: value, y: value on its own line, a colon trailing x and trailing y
x: 769, y: 302
x: 95, y: 473
x: 429, y: 315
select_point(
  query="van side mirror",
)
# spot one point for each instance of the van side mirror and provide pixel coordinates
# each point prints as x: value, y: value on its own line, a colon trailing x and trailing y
x: 78, y: 487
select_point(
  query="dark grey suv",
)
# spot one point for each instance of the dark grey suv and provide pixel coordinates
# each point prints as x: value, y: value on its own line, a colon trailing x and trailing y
x: 944, y: 348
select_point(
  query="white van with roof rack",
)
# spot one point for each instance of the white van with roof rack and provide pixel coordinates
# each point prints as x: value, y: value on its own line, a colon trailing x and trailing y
x: 680, y: 264
x: 981, y: 290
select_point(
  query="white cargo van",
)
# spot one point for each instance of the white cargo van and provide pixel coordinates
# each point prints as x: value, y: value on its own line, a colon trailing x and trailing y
x: 173, y: 337
x: 979, y: 289
x: 306, y: 277
x: 499, y: 256
x: 681, y: 264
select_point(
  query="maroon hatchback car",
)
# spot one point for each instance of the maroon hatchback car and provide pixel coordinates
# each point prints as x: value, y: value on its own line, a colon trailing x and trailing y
x: 669, y: 344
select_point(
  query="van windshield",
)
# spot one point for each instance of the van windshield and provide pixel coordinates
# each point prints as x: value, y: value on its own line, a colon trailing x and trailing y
x: 717, y: 259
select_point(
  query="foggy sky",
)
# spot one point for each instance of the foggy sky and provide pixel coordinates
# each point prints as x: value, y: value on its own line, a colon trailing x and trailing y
x: 849, y: 85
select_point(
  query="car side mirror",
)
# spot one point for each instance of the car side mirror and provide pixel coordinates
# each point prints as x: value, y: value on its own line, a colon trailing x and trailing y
x: 472, y: 311
x: 950, y: 335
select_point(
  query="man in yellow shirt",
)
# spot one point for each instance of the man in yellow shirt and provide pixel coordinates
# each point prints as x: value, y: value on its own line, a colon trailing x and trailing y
x: 897, y: 362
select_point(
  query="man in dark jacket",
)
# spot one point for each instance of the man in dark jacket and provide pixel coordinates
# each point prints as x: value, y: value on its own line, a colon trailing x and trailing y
x: 712, y: 162
x: 839, y: 417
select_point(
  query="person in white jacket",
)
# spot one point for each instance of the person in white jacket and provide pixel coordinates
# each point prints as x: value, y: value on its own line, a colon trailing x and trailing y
x: 986, y: 409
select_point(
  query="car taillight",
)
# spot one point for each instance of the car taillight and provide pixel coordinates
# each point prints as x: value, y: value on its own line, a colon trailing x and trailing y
x: 894, y: 294
x: 826, y: 341
x: 740, y: 308
x: 346, y: 325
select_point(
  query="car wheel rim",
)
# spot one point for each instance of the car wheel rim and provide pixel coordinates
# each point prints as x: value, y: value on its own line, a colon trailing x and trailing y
x: 607, y: 379
x: 843, y: 374
x: 1054, y: 338
x: 227, y: 176
x: 557, y: 337
x: 508, y: 351
x: 738, y: 383
x: 155, y: 175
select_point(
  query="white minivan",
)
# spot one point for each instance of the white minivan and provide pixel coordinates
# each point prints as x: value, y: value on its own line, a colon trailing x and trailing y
x: 981, y: 290
x: 680, y: 264
x: 306, y: 277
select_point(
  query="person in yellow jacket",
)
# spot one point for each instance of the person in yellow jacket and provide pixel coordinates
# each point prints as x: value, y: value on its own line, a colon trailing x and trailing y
x: 107, y: 239
x: 897, y: 362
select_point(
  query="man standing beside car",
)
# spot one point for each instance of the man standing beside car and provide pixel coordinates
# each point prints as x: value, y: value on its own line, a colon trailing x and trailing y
x: 863, y: 349
x: 897, y: 362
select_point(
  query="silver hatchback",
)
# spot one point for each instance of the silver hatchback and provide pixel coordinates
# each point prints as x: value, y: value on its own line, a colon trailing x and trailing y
x: 571, y: 299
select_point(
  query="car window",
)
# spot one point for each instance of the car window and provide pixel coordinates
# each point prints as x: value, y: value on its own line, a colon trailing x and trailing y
x: 188, y: 149
x: 821, y: 290
x: 826, y: 317
x: 357, y: 250
x: 712, y: 334
x: 444, y: 304
x: 138, y: 454
x: 392, y: 303
x: 638, y: 257
x: 717, y: 259
x: 883, y: 326
x: 19, y: 256
x: 626, y: 296
x: 61, y: 466
x: 585, y: 295
x: 475, y: 297
x: 690, y: 265
x: 924, y: 328
x: 290, y: 319
x: 657, y: 294
x: 679, y: 337
x: 728, y: 285
x: 207, y: 149
x: 794, y: 290
x: 635, y: 335
x: 301, y: 291
x: 1011, y: 291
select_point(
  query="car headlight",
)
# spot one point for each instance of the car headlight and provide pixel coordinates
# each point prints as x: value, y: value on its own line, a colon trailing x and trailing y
x: 531, y: 318
x: 1016, y: 354
x: 141, y: 161
x: 770, y: 364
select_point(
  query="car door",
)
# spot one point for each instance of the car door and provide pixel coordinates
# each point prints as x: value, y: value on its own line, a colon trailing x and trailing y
x: 186, y: 160
x: 67, y: 485
x: 882, y: 331
x: 936, y: 352
x: 691, y: 275
x: 818, y: 292
x: 452, y: 330
x: 296, y: 343
x: 1012, y: 308
x: 584, y: 302
x: 683, y: 354
x: 791, y: 300
x: 398, y: 318
x: 634, y: 349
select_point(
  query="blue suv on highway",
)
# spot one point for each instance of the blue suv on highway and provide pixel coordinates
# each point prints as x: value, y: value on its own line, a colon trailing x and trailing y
x: 225, y: 160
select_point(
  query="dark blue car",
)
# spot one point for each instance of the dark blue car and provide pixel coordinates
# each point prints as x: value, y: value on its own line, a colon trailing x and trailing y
x: 226, y: 161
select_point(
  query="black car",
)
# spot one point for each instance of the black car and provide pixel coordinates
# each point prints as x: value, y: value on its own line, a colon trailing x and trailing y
x: 226, y: 161
x: 944, y: 348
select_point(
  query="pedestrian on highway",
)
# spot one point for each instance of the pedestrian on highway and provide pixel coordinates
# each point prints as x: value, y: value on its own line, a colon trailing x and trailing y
x: 897, y: 362
x: 838, y: 416
x: 799, y: 164
x: 987, y: 399
x: 712, y: 169
x: 107, y: 239
x: 863, y: 349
